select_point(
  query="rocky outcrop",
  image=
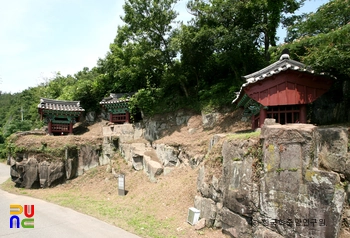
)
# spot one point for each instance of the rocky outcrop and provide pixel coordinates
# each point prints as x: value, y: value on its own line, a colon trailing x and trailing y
x: 153, y: 158
x: 210, y: 119
x: 233, y: 189
x: 88, y: 158
x: 152, y: 168
x: 294, y: 189
x: 110, y: 145
x: 29, y: 173
x: 289, y: 183
x: 168, y: 155
x: 155, y: 127
x: 32, y: 170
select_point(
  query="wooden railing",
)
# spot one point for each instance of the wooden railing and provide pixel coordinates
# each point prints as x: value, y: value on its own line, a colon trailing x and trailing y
x: 119, y: 118
x: 60, y: 128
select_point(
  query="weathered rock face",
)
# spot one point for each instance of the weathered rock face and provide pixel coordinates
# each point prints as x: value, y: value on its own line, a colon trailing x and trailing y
x: 28, y: 173
x: 90, y: 117
x: 290, y: 183
x: 168, y: 155
x: 209, y: 119
x: 88, y: 158
x: 332, y: 150
x: 30, y: 170
x: 294, y: 189
x: 51, y: 173
x: 232, y: 193
x: 154, y: 127
x: 141, y: 154
x: 110, y: 145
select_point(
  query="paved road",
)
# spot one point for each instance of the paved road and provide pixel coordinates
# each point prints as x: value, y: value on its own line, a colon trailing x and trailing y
x: 51, y: 220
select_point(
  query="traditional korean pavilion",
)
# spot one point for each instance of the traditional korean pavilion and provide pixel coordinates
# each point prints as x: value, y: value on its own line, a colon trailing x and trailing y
x: 117, y: 107
x: 281, y: 91
x: 59, y: 115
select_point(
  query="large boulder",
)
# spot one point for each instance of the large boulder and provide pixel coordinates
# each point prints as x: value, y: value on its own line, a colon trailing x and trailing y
x: 152, y: 168
x: 88, y: 158
x: 332, y: 149
x: 168, y: 155
x: 293, y: 188
x: 208, y: 209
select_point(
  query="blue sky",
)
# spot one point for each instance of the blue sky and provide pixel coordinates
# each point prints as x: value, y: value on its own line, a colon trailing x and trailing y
x: 41, y: 37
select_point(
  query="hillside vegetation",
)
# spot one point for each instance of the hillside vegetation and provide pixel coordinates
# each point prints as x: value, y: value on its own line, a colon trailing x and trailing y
x: 199, y: 64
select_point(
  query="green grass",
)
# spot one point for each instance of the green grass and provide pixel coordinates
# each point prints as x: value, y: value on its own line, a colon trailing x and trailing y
x: 134, y: 219
x: 236, y: 159
x: 279, y: 170
x: 244, y: 136
x: 148, y: 225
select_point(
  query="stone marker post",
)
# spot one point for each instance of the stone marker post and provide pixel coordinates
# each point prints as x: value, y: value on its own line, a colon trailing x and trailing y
x: 121, y: 185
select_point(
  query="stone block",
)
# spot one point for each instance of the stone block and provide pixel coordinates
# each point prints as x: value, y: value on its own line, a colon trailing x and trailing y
x: 30, y: 174
x: 263, y: 232
x: 57, y: 173
x: 240, y: 224
x: 200, y: 224
x: 231, y: 232
x: 71, y: 166
x: 88, y: 158
x: 168, y: 155
x: 209, y: 120
x: 152, y: 168
x: 292, y: 187
x: 44, y: 173
x: 332, y: 149
x: 208, y: 209
x: 137, y: 162
x: 139, y: 131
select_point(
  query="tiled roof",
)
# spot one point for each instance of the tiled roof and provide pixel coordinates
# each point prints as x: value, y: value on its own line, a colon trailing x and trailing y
x: 117, y: 98
x: 283, y: 64
x: 60, y: 105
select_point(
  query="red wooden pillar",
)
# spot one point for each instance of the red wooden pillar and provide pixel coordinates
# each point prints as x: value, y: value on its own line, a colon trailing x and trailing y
x: 253, y: 122
x: 127, y: 117
x: 302, y: 117
x: 110, y: 117
x: 263, y: 115
x: 49, y: 127
x: 71, y: 127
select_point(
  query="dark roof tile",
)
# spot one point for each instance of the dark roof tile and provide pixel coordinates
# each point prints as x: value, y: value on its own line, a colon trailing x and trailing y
x: 60, y: 105
x: 117, y: 98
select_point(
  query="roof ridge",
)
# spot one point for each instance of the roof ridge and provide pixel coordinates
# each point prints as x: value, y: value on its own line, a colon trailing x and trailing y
x: 47, y: 100
x: 281, y: 62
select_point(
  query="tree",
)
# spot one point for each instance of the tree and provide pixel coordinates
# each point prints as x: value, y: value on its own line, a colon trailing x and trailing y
x: 329, y: 17
x: 260, y: 18
x: 151, y: 22
x: 141, y: 53
x: 326, y: 49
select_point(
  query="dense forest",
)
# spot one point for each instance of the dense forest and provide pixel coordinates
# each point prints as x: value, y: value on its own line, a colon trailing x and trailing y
x: 199, y: 64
